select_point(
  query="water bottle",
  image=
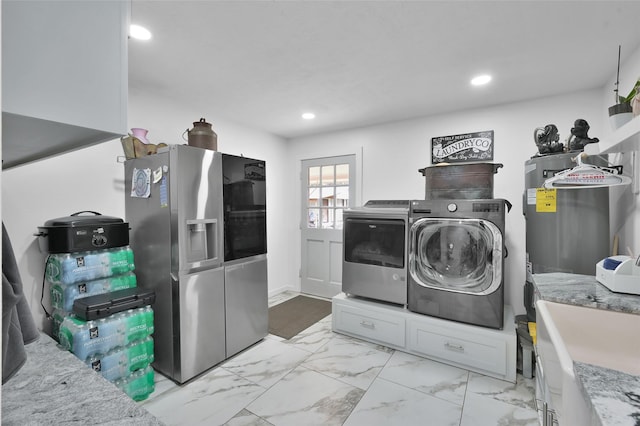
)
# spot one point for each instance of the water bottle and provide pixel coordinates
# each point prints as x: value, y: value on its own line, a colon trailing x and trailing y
x: 70, y: 268
x: 139, y: 384
x: 57, y: 316
x: 63, y: 295
x: 88, y: 338
x: 137, y: 323
x: 122, y: 361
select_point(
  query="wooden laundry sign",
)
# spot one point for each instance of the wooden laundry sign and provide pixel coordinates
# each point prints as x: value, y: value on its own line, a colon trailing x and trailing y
x: 464, y: 148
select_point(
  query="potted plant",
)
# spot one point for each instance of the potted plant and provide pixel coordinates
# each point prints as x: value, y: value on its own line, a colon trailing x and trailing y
x: 622, y: 111
x: 634, y: 98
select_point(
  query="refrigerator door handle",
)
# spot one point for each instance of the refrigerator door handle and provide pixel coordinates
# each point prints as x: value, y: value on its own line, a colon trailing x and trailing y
x: 243, y: 262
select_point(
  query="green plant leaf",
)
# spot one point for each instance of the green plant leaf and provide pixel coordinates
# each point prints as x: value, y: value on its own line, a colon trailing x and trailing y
x: 631, y: 94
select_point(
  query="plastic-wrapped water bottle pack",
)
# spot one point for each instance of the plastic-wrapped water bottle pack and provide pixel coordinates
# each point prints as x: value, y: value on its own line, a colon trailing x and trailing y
x: 70, y: 268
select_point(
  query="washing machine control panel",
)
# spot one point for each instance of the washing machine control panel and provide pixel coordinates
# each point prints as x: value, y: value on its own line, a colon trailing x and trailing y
x: 487, y: 207
x: 452, y: 207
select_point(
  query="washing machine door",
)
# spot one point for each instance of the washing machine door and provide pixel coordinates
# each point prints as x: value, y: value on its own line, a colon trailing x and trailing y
x: 458, y: 255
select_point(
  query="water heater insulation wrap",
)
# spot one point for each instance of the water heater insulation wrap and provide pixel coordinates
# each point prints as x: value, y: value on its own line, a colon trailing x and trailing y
x: 573, y: 235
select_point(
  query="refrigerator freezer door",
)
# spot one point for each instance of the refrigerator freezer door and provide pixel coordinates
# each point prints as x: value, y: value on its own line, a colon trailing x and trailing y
x: 247, y: 306
x: 201, y: 322
x: 196, y: 197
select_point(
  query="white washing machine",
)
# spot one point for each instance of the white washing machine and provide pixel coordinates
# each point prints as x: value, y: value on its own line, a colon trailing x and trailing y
x: 456, y: 260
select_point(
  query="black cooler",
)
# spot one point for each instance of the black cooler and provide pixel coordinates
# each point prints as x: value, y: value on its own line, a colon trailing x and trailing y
x: 80, y: 232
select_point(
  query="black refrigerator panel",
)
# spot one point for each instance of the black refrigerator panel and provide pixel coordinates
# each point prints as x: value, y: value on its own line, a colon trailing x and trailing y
x: 244, y: 199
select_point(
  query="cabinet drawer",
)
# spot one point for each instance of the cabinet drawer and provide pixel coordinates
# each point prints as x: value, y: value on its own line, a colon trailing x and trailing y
x: 382, y: 327
x: 452, y: 344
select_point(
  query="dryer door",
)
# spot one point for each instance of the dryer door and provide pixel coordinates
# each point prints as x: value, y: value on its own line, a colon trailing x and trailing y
x: 458, y: 255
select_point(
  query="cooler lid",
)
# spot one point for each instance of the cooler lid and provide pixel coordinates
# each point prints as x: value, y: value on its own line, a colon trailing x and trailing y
x: 77, y: 219
x: 387, y: 204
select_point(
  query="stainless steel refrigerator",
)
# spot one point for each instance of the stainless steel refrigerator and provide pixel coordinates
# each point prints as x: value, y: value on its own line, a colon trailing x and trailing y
x: 190, y: 211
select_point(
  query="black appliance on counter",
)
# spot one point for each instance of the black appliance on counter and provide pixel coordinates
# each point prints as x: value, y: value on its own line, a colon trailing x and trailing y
x: 79, y: 232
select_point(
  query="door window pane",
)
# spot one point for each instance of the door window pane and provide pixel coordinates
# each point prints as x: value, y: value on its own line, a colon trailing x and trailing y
x: 342, y: 196
x: 327, y: 218
x: 314, y: 176
x: 339, y: 220
x: 313, y: 216
x: 327, y: 175
x: 342, y: 174
x: 314, y: 195
x: 328, y: 197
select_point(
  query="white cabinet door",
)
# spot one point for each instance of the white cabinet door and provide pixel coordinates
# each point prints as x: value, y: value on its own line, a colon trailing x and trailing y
x: 387, y: 328
x: 451, y: 342
x: 64, y: 76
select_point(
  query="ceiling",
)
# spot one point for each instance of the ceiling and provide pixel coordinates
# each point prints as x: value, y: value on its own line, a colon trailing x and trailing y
x: 262, y: 64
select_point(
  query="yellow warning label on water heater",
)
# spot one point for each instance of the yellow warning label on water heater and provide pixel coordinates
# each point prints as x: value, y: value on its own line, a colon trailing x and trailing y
x: 546, y: 200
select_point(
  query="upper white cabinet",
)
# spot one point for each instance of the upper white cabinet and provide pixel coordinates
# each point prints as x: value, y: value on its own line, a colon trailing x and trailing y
x: 64, y: 76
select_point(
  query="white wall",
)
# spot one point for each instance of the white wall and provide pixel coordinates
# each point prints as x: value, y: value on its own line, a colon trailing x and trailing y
x: 625, y: 214
x: 391, y: 155
x: 92, y: 179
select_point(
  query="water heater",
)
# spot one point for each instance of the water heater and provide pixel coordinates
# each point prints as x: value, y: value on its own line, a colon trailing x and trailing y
x: 567, y: 229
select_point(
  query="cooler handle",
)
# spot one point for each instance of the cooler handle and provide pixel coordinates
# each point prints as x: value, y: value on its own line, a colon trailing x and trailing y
x: 86, y: 211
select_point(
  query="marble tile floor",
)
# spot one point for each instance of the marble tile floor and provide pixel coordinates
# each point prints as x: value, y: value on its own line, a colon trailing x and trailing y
x: 323, y: 378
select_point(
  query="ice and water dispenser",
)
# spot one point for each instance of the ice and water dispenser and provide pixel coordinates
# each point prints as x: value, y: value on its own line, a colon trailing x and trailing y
x: 202, y: 244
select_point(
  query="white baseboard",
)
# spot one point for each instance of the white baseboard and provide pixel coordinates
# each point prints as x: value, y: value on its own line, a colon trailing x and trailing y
x: 279, y: 290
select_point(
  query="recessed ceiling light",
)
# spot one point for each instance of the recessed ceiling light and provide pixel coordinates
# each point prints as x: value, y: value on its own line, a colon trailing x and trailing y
x: 139, y: 33
x: 481, y: 80
x: 308, y: 116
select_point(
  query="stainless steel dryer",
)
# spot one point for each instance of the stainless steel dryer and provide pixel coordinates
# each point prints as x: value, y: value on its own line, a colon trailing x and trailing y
x: 456, y: 260
x: 375, y: 251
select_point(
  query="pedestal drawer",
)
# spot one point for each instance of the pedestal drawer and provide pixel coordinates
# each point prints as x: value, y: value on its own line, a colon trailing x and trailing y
x: 382, y: 327
x: 452, y: 344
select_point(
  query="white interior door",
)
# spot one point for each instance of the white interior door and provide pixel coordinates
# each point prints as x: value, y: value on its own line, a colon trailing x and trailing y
x: 328, y: 187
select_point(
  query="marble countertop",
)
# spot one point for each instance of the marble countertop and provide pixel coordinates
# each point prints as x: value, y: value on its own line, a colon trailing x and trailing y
x: 583, y: 290
x: 613, y: 396
x: 55, y: 387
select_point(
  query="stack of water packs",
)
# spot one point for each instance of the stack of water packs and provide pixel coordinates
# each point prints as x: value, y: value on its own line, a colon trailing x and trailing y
x: 119, y: 346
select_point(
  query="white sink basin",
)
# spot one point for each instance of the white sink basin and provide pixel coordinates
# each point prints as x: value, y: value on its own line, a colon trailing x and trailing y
x: 596, y: 336
x: 568, y: 333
